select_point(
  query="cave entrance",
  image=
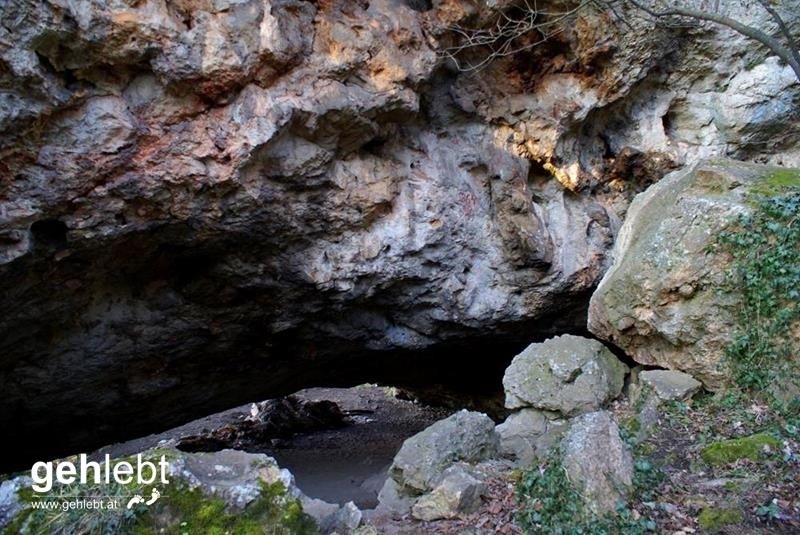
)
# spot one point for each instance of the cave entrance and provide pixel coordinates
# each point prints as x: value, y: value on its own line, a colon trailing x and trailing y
x: 343, y: 454
x: 339, y: 439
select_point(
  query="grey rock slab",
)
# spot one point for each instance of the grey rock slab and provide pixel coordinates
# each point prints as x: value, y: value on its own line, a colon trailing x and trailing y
x: 597, y: 462
x: 392, y: 502
x: 423, y: 458
x: 566, y: 374
x: 528, y: 434
x: 670, y: 385
x: 458, y: 493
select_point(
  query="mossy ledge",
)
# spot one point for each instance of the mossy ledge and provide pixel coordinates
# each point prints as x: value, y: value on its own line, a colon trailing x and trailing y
x: 182, y: 509
x: 776, y: 182
x: 727, y: 451
x: 188, y: 510
x: 713, y: 519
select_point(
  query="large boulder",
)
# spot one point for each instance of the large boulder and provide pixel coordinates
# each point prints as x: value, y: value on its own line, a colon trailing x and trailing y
x: 465, y: 436
x: 529, y: 433
x: 566, y: 374
x: 664, y: 301
x: 210, y: 492
x: 669, y: 385
x: 597, y: 462
x: 459, y: 492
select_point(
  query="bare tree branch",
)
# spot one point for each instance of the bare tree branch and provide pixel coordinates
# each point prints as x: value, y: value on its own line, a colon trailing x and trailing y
x: 786, y: 53
x: 782, y: 26
x: 503, y: 38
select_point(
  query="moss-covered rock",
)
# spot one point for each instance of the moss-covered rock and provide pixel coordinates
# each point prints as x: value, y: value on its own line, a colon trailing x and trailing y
x: 726, y: 451
x: 227, y: 492
x: 666, y: 299
x: 189, y: 510
x: 713, y: 519
x: 776, y: 181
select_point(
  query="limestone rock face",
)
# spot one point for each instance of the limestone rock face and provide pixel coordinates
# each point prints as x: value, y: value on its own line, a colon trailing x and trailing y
x: 232, y: 475
x: 663, y: 301
x: 670, y: 385
x: 459, y: 492
x: 530, y: 433
x: 207, y: 202
x: 237, y: 478
x: 465, y: 436
x: 597, y: 461
x: 10, y: 503
x: 567, y: 374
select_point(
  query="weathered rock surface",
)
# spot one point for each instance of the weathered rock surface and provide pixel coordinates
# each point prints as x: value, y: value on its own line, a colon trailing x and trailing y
x: 10, y: 503
x: 669, y: 385
x: 597, y: 461
x: 528, y: 434
x: 566, y: 374
x: 392, y: 501
x: 346, y: 519
x: 464, y: 436
x: 664, y: 301
x: 459, y: 492
x: 232, y: 475
x: 238, y: 479
x: 205, y: 203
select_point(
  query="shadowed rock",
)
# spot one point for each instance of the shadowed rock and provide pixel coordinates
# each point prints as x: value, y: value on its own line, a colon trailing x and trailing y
x: 567, y: 374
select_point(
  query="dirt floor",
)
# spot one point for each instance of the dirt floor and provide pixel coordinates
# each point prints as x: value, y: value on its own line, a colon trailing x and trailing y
x: 763, y: 494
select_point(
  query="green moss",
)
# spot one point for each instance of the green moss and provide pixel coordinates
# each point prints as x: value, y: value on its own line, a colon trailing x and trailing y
x: 188, y: 510
x: 783, y: 178
x: 632, y: 425
x: 713, y: 519
x: 734, y: 486
x: 776, y: 182
x: 727, y: 451
x: 74, y: 520
x: 181, y: 510
x: 25, y: 495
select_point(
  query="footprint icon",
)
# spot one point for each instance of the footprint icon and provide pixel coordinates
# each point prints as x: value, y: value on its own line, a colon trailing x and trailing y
x: 153, y: 497
x: 133, y: 501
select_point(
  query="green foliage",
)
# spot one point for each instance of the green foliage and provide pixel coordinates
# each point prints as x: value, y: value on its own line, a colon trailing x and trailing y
x: 550, y: 504
x: 713, y: 519
x: 75, y: 521
x: 629, y: 430
x: 550, y: 499
x: 770, y: 510
x: 727, y: 451
x: 765, y: 249
x: 182, y: 510
x: 646, y: 479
